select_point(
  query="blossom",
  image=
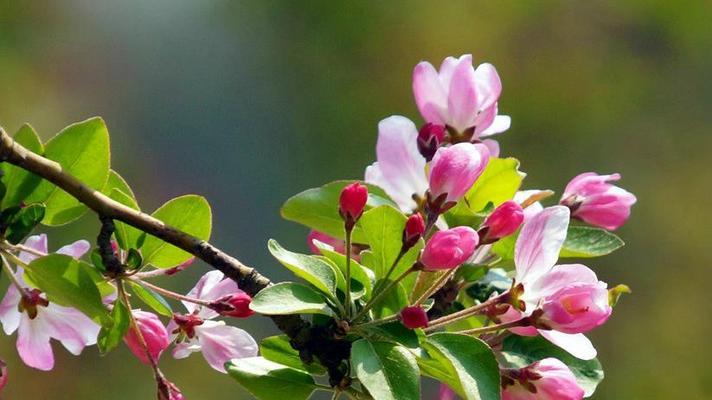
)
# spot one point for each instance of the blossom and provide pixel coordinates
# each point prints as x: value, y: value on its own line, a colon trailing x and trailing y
x: 536, y: 252
x: 460, y: 96
x: 449, y: 248
x: 400, y: 168
x: 352, y: 200
x: 455, y: 169
x: 414, y: 317
x: 236, y: 305
x: 548, y: 379
x: 197, y: 330
x: 595, y: 201
x: 504, y: 220
x: 154, y: 334
x: 38, y: 320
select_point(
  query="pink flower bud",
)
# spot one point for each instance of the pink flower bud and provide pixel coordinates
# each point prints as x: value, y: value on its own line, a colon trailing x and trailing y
x: 414, y: 317
x: 429, y: 138
x: 167, y: 390
x: 414, y: 230
x: 577, y: 308
x: 504, y: 220
x: 595, y: 201
x: 548, y: 379
x: 455, y: 169
x: 235, y: 305
x: 154, y: 334
x: 448, y: 249
x: 352, y: 201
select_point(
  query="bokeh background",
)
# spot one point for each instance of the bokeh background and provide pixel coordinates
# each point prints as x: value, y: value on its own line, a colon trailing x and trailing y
x: 248, y: 103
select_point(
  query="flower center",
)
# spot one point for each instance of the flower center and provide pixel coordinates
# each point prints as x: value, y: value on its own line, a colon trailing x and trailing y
x: 187, y: 323
x: 30, y: 300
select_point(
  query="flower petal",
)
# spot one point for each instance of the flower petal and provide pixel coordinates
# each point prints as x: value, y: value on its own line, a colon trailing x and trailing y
x: 559, y: 277
x: 205, y: 285
x: 576, y: 344
x: 500, y: 124
x: 33, y: 344
x: 539, y: 243
x: 462, y: 96
x: 9, y: 315
x: 489, y: 86
x: 36, y: 242
x: 221, y: 343
x: 76, y: 249
x: 72, y: 328
x: 430, y: 94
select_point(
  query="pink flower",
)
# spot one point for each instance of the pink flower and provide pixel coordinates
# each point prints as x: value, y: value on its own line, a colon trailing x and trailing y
x: 536, y: 252
x: 595, y: 201
x: 504, y: 220
x: 455, y: 169
x: 196, y: 331
x: 400, y: 169
x: 414, y: 317
x: 578, y: 307
x: 38, y: 320
x: 548, y: 379
x: 460, y: 96
x: 352, y: 200
x: 449, y: 249
x: 153, y: 332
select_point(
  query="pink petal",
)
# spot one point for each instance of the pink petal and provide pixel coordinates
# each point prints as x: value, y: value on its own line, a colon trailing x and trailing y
x: 206, y: 284
x: 576, y: 344
x: 500, y: 124
x: 462, y: 96
x: 430, y: 94
x: 76, y: 249
x: 36, y: 242
x: 72, y: 328
x: 221, y: 343
x: 33, y: 344
x: 539, y: 243
x: 184, y: 349
x: 489, y: 86
x: 492, y: 146
x: 9, y: 315
x: 559, y: 277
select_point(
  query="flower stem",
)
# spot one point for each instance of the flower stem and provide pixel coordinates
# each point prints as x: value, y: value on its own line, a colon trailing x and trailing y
x: 526, y: 321
x: 168, y: 293
x: 467, y: 312
x: 379, y: 296
x: 377, y: 322
x: 134, y: 325
x: 391, y: 269
x: 11, y: 274
x: 438, y: 284
x: 347, y: 248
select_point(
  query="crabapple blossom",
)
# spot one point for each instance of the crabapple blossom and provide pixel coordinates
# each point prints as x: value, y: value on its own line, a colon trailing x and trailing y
x: 504, y: 220
x: 449, y: 248
x: 352, y: 201
x: 548, y: 379
x: 38, y: 320
x: 414, y: 230
x: 455, y: 169
x: 198, y: 331
x: 595, y: 201
x: 154, y: 334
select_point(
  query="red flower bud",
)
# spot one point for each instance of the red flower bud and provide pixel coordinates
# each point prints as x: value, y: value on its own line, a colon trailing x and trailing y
x: 414, y: 317
x: 235, y: 305
x: 504, y: 220
x: 351, y: 203
x: 429, y: 138
x: 414, y: 230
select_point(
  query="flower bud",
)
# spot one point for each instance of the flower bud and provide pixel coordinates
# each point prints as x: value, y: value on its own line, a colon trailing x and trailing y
x: 235, y: 305
x: 414, y: 230
x: 153, y: 332
x: 167, y: 390
x: 429, y: 138
x: 504, y: 220
x: 455, y: 169
x: 548, y: 379
x: 576, y: 308
x: 595, y: 201
x: 448, y: 249
x: 351, y: 203
x: 414, y: 317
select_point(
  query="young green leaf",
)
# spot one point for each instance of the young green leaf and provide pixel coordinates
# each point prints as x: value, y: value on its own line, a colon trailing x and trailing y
x: 289, y: 298
x: 19, y: 183
x: 587, y: 241
x: 152, y: 299
x: 318, y: 208
x: 23, y: 222
x: 188, y: 213
x: 497, y: 184
x: 388, y: 371
x: 278, y: 349
x: 469, y: 361
x: 310, y: 268
x: 110, y: 337
x: 268, y: 380
x: 521, y: 351
x: 82, y: 149
x: 70, y: 282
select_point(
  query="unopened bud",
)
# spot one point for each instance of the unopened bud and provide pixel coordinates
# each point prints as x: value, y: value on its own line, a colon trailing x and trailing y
x: 414, y: 317
x: 235, y: 305
x: 414, y: 230
x: 429, y: 138
x: 352, y: 202
x: 504, y: 220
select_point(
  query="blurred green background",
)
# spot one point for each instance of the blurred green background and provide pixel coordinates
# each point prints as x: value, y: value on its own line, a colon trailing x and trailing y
x: 248, y: 103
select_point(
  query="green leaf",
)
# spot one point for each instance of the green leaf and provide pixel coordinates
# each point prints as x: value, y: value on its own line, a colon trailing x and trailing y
x: 70, y: 282
x: 110, y: 337
x: 310, y: 268
x: 278, y: 349
x: 268, y: 380
x: 392, y: 302
x: 521, y: 351
x: 319, y: 208
x: 19, y: 183
x: 82, y: 149
x: 505, y: 247
x: 469, y: 361
x: 289, y: 298
x: 587, y: 241
x: 360, y: 278
x: 386, y: 370
x: 189, y: 213
x: 152, y: 299
x: 117, y: 189
x: 23, y: 222
x: 497, y: 184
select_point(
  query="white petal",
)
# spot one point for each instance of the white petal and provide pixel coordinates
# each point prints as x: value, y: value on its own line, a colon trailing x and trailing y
x: 221, y: 343
x: 9, y: 315
x: 72, y: 328
x: 500, y: 124
x: 577, y: 344
x: 539, y: 243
